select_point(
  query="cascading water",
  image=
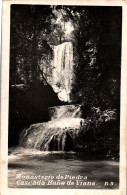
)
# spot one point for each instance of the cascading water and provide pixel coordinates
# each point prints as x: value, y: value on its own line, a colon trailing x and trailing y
x: 59, y: 134
x: 62, y: 70
x: 68, y: 111
x: 62, y: 132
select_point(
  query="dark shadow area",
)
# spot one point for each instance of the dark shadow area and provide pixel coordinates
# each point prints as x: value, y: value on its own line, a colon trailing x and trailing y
x: 28, y: 105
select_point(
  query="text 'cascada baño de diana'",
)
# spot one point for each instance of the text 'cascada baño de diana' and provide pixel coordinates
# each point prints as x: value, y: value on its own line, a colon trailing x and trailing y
x: 62, y: 132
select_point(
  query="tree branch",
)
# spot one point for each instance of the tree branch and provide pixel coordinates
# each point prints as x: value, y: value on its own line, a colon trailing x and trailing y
x: 41, y: 72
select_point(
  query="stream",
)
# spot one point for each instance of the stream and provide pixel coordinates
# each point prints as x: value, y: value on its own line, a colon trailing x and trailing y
x: 30, y: 168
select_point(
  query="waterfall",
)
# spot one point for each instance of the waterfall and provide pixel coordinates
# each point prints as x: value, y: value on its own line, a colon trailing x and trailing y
x: 62, y: 70
x: 59, y: 134
x: 62, y: 132
x: 68, y: 111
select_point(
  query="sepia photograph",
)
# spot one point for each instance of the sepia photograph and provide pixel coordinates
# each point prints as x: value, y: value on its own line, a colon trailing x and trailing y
x: 64, y: 96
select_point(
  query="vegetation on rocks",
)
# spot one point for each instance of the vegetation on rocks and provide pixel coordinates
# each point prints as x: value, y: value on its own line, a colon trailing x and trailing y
x: 97, y: 56
x: 99, y: 134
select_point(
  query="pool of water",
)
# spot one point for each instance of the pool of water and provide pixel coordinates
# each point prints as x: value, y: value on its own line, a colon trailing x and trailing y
x: 37, y: 169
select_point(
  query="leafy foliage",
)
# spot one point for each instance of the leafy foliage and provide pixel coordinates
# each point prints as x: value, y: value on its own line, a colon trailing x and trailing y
x: 96, y: 39
x: 98, y: 58
x: 99, y: 134
x: 29, y: 44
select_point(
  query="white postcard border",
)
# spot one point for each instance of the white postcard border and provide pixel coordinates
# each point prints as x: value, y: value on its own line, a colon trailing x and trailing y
x: 5, y: 97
